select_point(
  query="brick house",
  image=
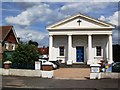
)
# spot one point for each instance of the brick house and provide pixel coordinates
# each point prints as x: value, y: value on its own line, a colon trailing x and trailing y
x: 8, y: 39
x: 43, y: 51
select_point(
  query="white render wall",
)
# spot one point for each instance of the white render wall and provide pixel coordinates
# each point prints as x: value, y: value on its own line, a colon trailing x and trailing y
x: 80, y: 32
x: 79, y: 40
x: 100, y: 34
x: 100, y: 40
x: 74, y: 23
x: 57, y: 42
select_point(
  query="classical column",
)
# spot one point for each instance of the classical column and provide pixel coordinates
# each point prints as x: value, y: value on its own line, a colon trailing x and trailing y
x: 107, y: 50
x: 50, y: 46
x: 89, y: 49
x: 110, y: 55
x: 69, y: 62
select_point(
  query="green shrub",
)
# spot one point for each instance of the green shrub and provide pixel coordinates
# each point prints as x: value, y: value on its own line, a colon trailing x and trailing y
x: 24, y: 56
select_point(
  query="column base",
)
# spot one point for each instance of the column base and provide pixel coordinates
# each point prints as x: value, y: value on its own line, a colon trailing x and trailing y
x: 69, y: 62
x: 110, y: 62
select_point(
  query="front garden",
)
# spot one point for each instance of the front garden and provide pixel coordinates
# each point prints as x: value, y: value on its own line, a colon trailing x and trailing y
x: 23, y: 57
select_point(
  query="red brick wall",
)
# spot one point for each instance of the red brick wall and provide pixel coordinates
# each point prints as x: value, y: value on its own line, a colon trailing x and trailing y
x: 10, y: 37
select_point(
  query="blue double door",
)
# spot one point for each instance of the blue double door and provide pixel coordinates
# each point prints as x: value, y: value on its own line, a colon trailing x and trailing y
x: 80, y: 54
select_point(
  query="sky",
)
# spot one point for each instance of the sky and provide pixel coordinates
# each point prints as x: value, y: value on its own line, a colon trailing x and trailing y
x: 30, y: 19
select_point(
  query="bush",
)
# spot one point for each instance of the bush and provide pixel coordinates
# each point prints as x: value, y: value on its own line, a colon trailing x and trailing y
x: 24, y: 56
x: 116, y: 67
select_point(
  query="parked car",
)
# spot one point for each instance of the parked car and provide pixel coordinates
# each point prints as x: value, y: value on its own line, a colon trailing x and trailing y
x: 116, y: 67
x: 57, y: 62
x: 43, y: 62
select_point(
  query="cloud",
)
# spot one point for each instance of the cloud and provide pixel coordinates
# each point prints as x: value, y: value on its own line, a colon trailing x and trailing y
x: 30, y: 15
x: 46, y: 14
x: 38, y: 13
x: 34, y: 35
x: 116, y: 36
x: 26, y: 5
x: 61, y: 1
x: 84, y: 7
x: 111, y: 19
x: 43, y: 12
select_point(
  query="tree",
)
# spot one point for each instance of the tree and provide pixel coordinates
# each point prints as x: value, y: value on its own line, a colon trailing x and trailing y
x: 25, y: 56
x: 116, y: 53
x: 32, y: 43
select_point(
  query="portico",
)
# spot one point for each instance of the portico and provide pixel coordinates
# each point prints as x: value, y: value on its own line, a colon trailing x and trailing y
x: 87, y: 42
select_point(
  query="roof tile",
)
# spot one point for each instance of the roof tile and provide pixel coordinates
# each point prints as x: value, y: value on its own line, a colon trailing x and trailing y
x: 3, y: 31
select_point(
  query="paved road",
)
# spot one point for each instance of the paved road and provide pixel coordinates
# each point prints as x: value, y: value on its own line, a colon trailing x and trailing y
x: 58, y: 89
x: 32, y: 83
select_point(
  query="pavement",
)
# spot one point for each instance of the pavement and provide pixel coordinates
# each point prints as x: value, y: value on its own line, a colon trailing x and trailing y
x: 72, y: 73
x: 36, y: 83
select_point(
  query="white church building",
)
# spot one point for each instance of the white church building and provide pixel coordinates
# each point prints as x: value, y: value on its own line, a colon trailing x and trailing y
x: 80, y: 39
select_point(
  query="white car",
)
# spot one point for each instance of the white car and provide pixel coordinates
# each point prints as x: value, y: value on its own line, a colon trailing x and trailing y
x: 45, y: 62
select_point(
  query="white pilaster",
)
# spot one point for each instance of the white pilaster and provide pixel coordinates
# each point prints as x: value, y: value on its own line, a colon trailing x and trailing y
x: 89, y: 50
x: 110, y: 55
x: 69, y: 62
x: 50, y: 46
x: 107, y: 51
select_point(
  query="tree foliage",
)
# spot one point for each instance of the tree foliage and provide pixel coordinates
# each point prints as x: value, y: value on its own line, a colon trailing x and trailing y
x: 32, y: 43
x: 25, y: 55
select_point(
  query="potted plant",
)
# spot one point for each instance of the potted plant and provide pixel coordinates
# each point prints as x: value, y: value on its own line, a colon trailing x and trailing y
x: 7, y: 64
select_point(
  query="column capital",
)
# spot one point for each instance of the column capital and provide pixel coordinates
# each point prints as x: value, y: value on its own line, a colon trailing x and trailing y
x: 109, y: 34
x: 89, y: 34
x: 50, y: 34
x: 69, y: 34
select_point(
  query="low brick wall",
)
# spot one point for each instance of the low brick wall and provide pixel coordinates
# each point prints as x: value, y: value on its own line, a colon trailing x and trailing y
x: 20, y: 72
x: 38, y: 73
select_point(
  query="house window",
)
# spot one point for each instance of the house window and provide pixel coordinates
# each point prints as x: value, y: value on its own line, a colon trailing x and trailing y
x: 13, y: 46
x: 98, y: 50
x: 61, y: 51
x: 6, y: 45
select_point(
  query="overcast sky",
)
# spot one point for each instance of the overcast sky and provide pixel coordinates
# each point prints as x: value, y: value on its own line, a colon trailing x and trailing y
x: 31, y: 18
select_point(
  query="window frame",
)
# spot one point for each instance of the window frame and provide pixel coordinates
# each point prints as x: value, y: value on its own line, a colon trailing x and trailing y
x: 61, y: 53
x: 6, y: 45
x: 13, y: 46
x: 98, y: 53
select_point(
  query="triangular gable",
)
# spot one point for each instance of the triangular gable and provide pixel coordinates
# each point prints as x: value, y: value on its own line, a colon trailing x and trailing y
x: 11, y: 37
x: 5, y: 32
x: 86, y: 23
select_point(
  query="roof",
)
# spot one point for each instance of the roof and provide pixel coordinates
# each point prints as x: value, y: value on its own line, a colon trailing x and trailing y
x: 43, y: 50
x: 4, y: 30
x: 107, y: 25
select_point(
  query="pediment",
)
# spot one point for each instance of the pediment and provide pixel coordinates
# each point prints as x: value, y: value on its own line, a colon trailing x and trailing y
x: 79, y: 21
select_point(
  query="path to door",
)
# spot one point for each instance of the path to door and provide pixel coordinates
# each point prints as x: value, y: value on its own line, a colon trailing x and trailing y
x: 72, y: 73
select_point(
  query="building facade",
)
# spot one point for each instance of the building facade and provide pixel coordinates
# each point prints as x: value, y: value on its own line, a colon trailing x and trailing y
x: 8, y: 39
x: 80, y: 39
